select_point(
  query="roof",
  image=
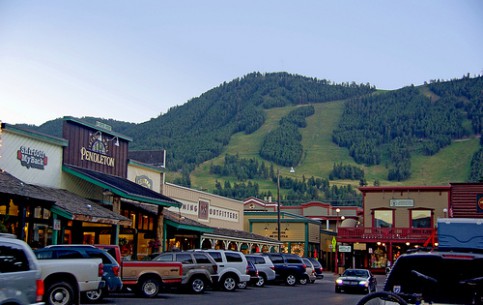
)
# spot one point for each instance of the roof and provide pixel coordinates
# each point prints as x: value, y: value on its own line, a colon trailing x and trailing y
x: 61, y: 202
x: 121, y: 187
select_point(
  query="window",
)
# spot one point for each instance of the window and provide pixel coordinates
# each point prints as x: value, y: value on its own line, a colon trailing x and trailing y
x: 202, y: 258
x: 216, y: 256
x: 233, y: 257
x: 421, y: 218
x: 276, y: 259
x: 165, y: 258
x: 184, y: 258
x: 68, y: 254
x: 12, y: 259
x: 383, y: 218
x: 99, y: 254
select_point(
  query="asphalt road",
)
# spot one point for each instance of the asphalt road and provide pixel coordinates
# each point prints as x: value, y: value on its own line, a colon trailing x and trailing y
x: 322, y: 292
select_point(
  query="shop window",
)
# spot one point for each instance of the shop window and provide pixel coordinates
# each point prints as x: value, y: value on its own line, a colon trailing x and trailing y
x: 9, y: 209
x: 378, y: 257
x: 421, y: 219
x: 383, y: 218
x: 298, y: 249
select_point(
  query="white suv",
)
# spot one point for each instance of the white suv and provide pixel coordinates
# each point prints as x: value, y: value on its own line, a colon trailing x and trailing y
x: 232, y: 267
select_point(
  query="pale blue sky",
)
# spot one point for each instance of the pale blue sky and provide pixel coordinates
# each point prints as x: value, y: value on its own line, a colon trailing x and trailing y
x: 132, y: 60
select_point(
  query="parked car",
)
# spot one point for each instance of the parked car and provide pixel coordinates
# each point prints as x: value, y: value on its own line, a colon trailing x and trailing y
x: 356, y: 280
x: 310, y: 269
x: 317, y: 267
x: 289, y: 268
x: 20, y: 275
x: 111, y: 267
x: 198, y: 268
x: 266, y: 269
x: 442, y: 275
x: 146, y: 278
x: 252, y: 271
x: 232, y: 266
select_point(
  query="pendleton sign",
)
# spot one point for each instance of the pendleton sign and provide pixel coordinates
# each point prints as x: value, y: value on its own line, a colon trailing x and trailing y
x: 95, y: 157
x: 98, y: 150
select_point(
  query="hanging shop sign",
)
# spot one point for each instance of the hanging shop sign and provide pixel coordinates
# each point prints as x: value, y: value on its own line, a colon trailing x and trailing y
x: 144, y: 181
x: 97, y: 150
x: 32, y: 158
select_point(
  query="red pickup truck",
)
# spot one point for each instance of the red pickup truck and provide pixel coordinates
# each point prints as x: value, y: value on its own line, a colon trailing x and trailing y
x: 146, y: 277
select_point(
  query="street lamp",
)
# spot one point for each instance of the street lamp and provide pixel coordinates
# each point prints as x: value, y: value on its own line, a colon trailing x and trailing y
x: 337, y: 220
x: 278, y: 201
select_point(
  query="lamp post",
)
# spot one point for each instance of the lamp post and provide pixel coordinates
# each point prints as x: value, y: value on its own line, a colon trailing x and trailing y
x: 337, y: 220
x: 278, y: 201
x: 278, y: 204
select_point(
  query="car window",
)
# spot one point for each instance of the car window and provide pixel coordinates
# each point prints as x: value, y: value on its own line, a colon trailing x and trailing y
x: 67, y: 254
x: 233, y: 257
x: 44, y: 254
x: 12, y: 259
x: 99, y: 254
x: 216, y: 256
x: 316, y: 263
x: 202, y: 258
x: 164, y: 258
x: 184, y: 258
x: 293, y: 260
x: 260, y: 260
x: 276, y: 259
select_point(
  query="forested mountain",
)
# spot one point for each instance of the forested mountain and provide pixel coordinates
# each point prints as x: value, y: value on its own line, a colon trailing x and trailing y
x: 386, y: 130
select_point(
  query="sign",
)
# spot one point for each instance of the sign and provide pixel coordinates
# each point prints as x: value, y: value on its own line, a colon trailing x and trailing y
x: 479, y: 203
x: 399, y: 203
x: 56, y: 224
x: 334, y: 243
x: 31, y: 157
x: 145, y: 181
x: 346, y: 249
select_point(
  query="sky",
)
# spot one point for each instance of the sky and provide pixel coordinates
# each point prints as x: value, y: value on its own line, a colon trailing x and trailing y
x: 133, y: 60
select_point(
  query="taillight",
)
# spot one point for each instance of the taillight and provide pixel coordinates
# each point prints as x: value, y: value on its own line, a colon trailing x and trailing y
x: 305, y: 266
x: 100, y: 270
x: 321, y: 269
x: 272, y: 267
x: 39, y: 292
x: 247, y: 271
x: 115, y: 270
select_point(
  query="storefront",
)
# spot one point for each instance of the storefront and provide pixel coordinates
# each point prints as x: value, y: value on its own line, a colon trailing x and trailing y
x: 32, y: 203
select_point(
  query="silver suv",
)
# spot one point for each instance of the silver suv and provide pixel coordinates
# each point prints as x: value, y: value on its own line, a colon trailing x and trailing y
x: 266, y: 270
x: 198, y: 268
x: 232, y: 267
x: 20, y: 278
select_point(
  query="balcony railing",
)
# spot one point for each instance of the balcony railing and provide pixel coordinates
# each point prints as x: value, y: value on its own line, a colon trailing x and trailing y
x: 384, y: 234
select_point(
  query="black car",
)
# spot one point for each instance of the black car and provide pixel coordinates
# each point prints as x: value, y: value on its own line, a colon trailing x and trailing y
x: 111, y: 267
x: 289, y: 268
x: 356, y: 280
x: 254, y: 276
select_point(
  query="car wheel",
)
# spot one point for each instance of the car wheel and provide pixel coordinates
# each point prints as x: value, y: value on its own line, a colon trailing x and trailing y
x: 242, y: 285
x: 149, y: 287
x: 261, y: 281
x: 93, y: 296
x: 60, y: 293
x: 197, y: 285
x: 304, y: 280
x: 290, y: 280
x: 229, y: 283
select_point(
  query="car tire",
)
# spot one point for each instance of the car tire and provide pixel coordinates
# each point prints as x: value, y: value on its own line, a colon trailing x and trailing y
x: 290, y: 280
x: 93, y: 296
x: 197, y: 285
x: 304, y: 280
x: 261, y: 281
x: 60, y: 293
x: 242, y: 285
x: 149, y: 287
x: 229, y: 283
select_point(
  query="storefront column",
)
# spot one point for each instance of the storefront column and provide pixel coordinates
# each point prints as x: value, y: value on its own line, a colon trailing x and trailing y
x: 160, y: 229
x: 116, y: 208
x: 55, y: 231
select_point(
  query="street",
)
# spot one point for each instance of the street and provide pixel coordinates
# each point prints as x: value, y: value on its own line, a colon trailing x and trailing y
x: 322, y: 292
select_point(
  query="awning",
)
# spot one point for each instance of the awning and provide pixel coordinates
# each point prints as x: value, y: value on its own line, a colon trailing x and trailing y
x: 60, y: 202
x: 121, y: 187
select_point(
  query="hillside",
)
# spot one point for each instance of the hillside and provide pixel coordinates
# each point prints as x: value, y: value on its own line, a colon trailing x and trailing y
x: 426, y: 135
